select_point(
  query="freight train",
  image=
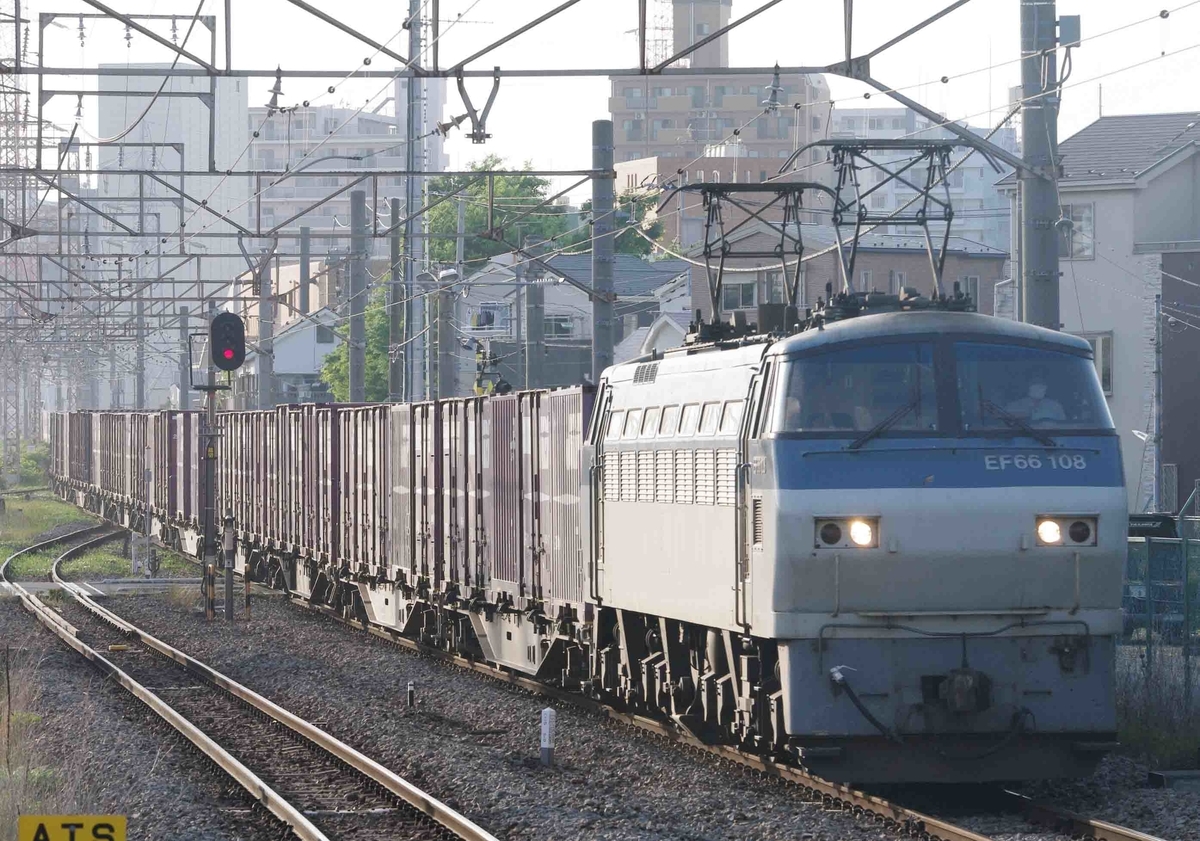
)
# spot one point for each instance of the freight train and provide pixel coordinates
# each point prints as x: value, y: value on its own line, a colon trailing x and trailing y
x: 887, y: 546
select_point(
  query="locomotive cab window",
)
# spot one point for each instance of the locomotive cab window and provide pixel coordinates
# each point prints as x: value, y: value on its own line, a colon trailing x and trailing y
x: 1005, y: 386
x: 708, y: 420
x: 853, y: 389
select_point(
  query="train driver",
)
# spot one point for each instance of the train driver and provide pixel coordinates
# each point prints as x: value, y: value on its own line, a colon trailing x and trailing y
x: 1036, y: 406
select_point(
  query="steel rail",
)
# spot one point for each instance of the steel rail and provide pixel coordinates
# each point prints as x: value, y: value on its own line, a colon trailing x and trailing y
x: 1070, y: 823
x: 457, y: 823
x: 301, y: 827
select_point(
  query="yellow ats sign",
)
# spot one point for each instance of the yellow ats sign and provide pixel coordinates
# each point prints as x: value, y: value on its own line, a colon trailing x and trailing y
x: 71, y: 828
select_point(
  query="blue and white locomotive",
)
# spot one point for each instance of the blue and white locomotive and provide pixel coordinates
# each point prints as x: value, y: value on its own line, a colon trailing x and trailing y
x: 889, y: 546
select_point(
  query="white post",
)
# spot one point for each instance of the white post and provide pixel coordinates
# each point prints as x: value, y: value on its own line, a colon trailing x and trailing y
x: 548, y: 716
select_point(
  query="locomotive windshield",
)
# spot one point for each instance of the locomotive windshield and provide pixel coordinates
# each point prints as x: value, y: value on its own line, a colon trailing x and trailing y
x: 1041, y: 388
x: 856, y: 388
x: 892, y: 389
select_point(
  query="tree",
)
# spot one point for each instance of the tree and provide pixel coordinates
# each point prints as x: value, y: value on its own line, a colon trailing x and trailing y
x: 512, y: 195
x: 336, y: 371
x: 627, y: 209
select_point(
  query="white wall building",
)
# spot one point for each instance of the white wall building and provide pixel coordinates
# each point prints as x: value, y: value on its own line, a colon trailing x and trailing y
x: 981, y: 212
x: 213, y: 137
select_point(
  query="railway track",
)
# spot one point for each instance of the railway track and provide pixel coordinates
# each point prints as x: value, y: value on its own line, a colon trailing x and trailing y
x: 891, y: 815
x: 319, y: 787
x: 886, y: 813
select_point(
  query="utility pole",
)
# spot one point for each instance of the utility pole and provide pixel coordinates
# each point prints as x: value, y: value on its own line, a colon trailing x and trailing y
x: 445, y: 350
x: 305, y: 269
x: 266, y: 338
x: 185, y: 362
x: 396, y: 348
x: 358, y: 286
x: 460, y: 237
x: 114, y: 389
x: 602, y: 248
x: 139, y: 374
x: 535, y: 329
x: 1039, y: 143
x: 1158, y: 402
x: 412, y: 199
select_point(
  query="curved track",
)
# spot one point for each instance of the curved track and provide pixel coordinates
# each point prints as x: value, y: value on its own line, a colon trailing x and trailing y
x: 321, y: 788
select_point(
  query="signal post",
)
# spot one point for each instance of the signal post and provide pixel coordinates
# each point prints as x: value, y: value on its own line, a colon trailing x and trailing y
x: 227, y: 351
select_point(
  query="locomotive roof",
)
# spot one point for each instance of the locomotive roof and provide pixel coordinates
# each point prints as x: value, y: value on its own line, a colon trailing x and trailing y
x: 887, y: 324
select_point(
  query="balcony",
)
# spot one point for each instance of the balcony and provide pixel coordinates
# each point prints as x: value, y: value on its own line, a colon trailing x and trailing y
x: 740, y: 102
x: 674, y: 103
x: 673, y: 135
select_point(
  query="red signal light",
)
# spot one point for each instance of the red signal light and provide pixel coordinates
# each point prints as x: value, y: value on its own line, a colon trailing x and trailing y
x: 228, y: 353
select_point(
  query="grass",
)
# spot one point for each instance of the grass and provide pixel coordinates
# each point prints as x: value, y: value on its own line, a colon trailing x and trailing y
x: 24, y: 520
x: 105, y: 562
x: 30, y: 782
x: 1152, y: 721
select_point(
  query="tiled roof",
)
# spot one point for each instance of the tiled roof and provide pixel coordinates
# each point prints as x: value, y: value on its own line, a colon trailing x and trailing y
x: 1119, y: 148
x: 632, y: 276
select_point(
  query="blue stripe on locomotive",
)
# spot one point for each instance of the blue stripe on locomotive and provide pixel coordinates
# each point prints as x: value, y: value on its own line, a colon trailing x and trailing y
x: 826, y: 464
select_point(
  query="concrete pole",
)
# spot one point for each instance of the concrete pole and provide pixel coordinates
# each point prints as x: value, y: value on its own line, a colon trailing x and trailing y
x: 602, y: 248
x: 535, y: 330
x: 266, y: 339
x: 460, y: 238
x: 139, y: 373
x: 185, y: 362
x: 305, y: 269
x: 114, y: 389
x: 357, y: 295
x: 1039, y: 143
x: 445, y: 344
x: 1158, y: 403
x: 412, y: 198
x: 397, y: 351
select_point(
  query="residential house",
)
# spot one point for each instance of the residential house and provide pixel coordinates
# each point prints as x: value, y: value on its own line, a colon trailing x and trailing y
x: 491, y: 311
x: 1130, y: 186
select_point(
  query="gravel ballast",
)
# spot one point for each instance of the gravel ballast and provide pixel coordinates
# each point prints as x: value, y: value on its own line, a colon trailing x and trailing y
x: 116, y: 757
x: 473, y: 742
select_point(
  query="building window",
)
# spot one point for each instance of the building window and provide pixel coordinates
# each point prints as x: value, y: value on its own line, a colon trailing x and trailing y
x: 970, y: 287
x: 701, y: 29
x: 1102, y: 350
x: 896, y: 124
x: 737, y: 296
x: 324, y: 335
x: 816, y: 123
x: 1078, y: 242
x: 896, y: 282
x: 878, y: 201
x: 865, y: 281
x: 558, y: 326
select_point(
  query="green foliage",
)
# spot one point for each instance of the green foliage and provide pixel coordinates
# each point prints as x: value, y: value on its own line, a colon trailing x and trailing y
x: 336, y: 370
x: 24, y: 520
x: 513, y: 195
x: 628, y: 209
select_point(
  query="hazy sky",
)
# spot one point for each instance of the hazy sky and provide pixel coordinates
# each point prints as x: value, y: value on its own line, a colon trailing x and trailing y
x: 548, y: 121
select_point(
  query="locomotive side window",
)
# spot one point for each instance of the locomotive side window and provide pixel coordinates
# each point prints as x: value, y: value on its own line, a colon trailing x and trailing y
x: 633, y: 423
x: 615, y: 422
x: 691, y: 415
x: 708, y: 420
x: 1000, y: 386
x: 855, y: 388
x: 650, y: 424
x: 670, y: 422
x: 731, y: 418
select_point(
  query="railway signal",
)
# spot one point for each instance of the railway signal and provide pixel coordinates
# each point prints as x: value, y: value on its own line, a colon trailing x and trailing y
x: 227, y: 336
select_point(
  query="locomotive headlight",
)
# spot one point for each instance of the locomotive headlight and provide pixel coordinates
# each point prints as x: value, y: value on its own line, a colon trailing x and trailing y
x: 861, y: 533
x: 1049, y: 532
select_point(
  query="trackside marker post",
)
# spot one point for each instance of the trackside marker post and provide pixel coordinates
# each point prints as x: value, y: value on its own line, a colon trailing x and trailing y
x: 548, y: 716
